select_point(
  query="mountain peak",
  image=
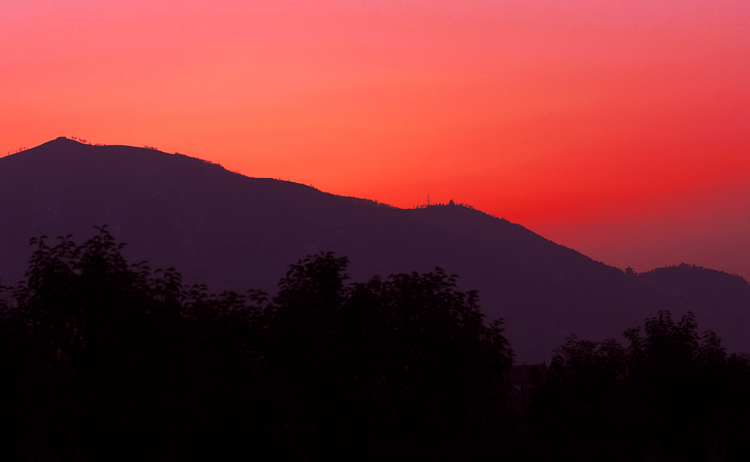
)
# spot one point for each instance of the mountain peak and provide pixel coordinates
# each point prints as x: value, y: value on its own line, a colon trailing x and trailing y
x: 63, y: 141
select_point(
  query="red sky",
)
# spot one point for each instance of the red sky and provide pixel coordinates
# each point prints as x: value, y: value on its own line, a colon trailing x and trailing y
x: 618, y: 128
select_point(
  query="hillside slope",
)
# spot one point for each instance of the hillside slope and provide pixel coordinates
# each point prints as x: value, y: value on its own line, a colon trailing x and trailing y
x: 233, y: 232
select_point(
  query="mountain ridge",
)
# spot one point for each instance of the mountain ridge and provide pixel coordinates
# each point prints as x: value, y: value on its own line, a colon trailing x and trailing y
x: 235, y: 232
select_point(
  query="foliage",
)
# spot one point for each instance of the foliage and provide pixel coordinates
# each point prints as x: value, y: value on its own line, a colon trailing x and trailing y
x: 670, y: 394
x: 113, y: 361
x: 406, y: 360
x: 106, y: 360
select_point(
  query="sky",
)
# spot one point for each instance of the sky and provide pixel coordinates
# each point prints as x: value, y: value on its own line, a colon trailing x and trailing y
x: 618, y: 128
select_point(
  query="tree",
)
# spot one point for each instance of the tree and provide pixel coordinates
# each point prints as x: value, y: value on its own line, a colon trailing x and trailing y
x: 401, y: 362
x: 670, y: 394
x: 111, y: 360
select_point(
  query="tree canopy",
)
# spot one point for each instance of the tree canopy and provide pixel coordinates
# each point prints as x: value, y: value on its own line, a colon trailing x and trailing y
x: 106, y: 360
x: 671, y: 394
x: 110, y: 360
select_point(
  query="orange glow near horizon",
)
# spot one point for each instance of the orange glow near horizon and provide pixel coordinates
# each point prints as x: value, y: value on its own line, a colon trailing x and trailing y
x: 620, y: 129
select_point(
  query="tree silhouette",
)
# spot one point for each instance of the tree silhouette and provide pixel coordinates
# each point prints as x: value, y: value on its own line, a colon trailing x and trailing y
x: 113, y: 361
x: 405, y: 361
x: 670, y: 394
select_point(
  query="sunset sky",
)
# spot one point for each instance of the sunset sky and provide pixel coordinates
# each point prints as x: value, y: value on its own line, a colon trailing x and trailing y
x: 618, y: 128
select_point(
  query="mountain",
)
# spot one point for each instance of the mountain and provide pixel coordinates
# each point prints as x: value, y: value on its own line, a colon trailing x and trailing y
x: 237, y: 233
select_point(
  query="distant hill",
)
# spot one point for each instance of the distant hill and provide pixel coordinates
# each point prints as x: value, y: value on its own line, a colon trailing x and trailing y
x: 233, y: 232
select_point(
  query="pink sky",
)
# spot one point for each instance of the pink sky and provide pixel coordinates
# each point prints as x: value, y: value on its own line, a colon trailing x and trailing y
x: 620, y: 129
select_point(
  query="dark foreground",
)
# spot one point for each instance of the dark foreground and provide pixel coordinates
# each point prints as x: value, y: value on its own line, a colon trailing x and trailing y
x: 102, y: 360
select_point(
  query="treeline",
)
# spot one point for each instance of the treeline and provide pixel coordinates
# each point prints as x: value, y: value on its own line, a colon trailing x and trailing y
x: 108, y: 361
x: 670, y: 394
x: 102, y: 360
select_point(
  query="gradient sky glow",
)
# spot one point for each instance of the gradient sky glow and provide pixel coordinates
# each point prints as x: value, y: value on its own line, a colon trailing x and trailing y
x: 618, y: 128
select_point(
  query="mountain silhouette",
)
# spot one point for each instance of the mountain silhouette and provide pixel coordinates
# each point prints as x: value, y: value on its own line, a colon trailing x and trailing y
x: 233, y: 232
